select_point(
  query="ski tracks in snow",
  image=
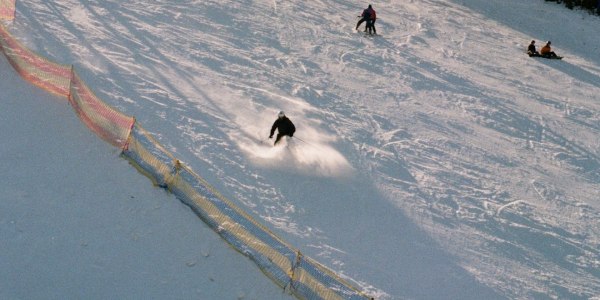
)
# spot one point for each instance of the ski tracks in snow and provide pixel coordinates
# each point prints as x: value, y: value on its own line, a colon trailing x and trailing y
x: 426, y: 120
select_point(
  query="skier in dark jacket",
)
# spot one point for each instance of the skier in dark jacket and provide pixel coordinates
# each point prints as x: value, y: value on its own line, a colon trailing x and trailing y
x: 531, y: 50
x: 284, y: 127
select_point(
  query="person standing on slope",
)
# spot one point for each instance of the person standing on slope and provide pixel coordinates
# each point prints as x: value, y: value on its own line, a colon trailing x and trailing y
x: 284, y: 127
x: 365, y: 17
x: 371, y: 22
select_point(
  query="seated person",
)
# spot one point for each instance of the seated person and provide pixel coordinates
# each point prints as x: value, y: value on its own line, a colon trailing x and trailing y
x: 547, y: 52
x: 531, y: 49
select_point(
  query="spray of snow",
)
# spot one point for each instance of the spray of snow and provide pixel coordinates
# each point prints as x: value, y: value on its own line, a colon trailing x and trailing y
x: 310, y: 154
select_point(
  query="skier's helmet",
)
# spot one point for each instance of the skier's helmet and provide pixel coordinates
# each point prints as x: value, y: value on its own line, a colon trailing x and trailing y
x: 549, y: 42
x: 281, y: 114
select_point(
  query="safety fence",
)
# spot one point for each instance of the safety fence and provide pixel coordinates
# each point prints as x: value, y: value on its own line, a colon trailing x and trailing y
x: 286, y: 266
x: 7, y: 9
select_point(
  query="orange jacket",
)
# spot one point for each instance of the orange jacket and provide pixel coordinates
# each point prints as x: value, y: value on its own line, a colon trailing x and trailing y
x: 545, y: 49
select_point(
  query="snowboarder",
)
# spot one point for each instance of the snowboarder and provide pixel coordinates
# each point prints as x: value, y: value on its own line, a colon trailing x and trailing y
x: 547, y: 52
x: 365, y: 17
x: 531, y: 50
x: 284, y: 127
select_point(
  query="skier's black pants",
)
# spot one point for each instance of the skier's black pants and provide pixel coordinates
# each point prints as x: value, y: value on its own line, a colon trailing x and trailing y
x: 360, y: 22
x: 279, y: 136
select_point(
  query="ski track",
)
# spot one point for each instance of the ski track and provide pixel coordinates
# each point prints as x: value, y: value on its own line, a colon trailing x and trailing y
x: 501, y: 170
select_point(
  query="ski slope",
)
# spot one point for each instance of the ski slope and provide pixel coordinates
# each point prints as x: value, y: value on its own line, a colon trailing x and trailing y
x: 77, y: 221
x: 435, y: 161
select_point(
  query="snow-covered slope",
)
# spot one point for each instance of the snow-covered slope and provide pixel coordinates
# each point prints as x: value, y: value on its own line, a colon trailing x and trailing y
x: 436, y: 160
x: 78, y: 222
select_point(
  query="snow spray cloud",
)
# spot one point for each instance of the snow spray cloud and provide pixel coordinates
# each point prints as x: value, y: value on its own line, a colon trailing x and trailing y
x: 310, y: 154
x: 293, y: 154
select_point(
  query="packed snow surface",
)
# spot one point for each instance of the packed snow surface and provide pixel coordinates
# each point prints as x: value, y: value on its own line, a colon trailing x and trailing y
x: 433, y: 161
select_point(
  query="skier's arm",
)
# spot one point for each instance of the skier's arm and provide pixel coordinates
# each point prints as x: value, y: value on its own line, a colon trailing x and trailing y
x: 273, y: 129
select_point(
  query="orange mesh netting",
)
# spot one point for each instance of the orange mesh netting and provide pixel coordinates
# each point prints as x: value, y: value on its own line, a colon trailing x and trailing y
x: 47, y: 75
x: 7, y: 9
x: 110, y: 124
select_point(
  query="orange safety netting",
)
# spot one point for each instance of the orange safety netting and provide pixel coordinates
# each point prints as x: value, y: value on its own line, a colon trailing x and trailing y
x: 7, y: 9
x: 47, y: 75
x: 109, y: 123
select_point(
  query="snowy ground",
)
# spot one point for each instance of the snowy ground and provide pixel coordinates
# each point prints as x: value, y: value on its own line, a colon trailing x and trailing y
x: 78, y: 222
x: 434, y: 161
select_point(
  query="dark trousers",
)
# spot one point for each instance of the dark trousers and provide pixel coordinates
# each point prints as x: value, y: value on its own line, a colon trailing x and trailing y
x: 371, y: 27
x: 361, y: 21
x: 279, y: 136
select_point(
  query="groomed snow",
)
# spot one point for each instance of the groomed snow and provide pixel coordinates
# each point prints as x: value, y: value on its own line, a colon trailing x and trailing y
x: 435, y: 161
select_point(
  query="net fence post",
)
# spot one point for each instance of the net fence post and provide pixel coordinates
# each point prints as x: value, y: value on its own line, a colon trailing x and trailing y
x: 292, y: 272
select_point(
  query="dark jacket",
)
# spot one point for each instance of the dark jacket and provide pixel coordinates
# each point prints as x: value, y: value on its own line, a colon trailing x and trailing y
x: 366, y: 14
x: 532, y: 51
x: 284, y: 126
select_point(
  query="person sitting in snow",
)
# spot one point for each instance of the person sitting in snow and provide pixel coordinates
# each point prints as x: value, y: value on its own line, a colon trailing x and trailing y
x: 284, y: 127
x: 531, y: 49
x: 547, y: 52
